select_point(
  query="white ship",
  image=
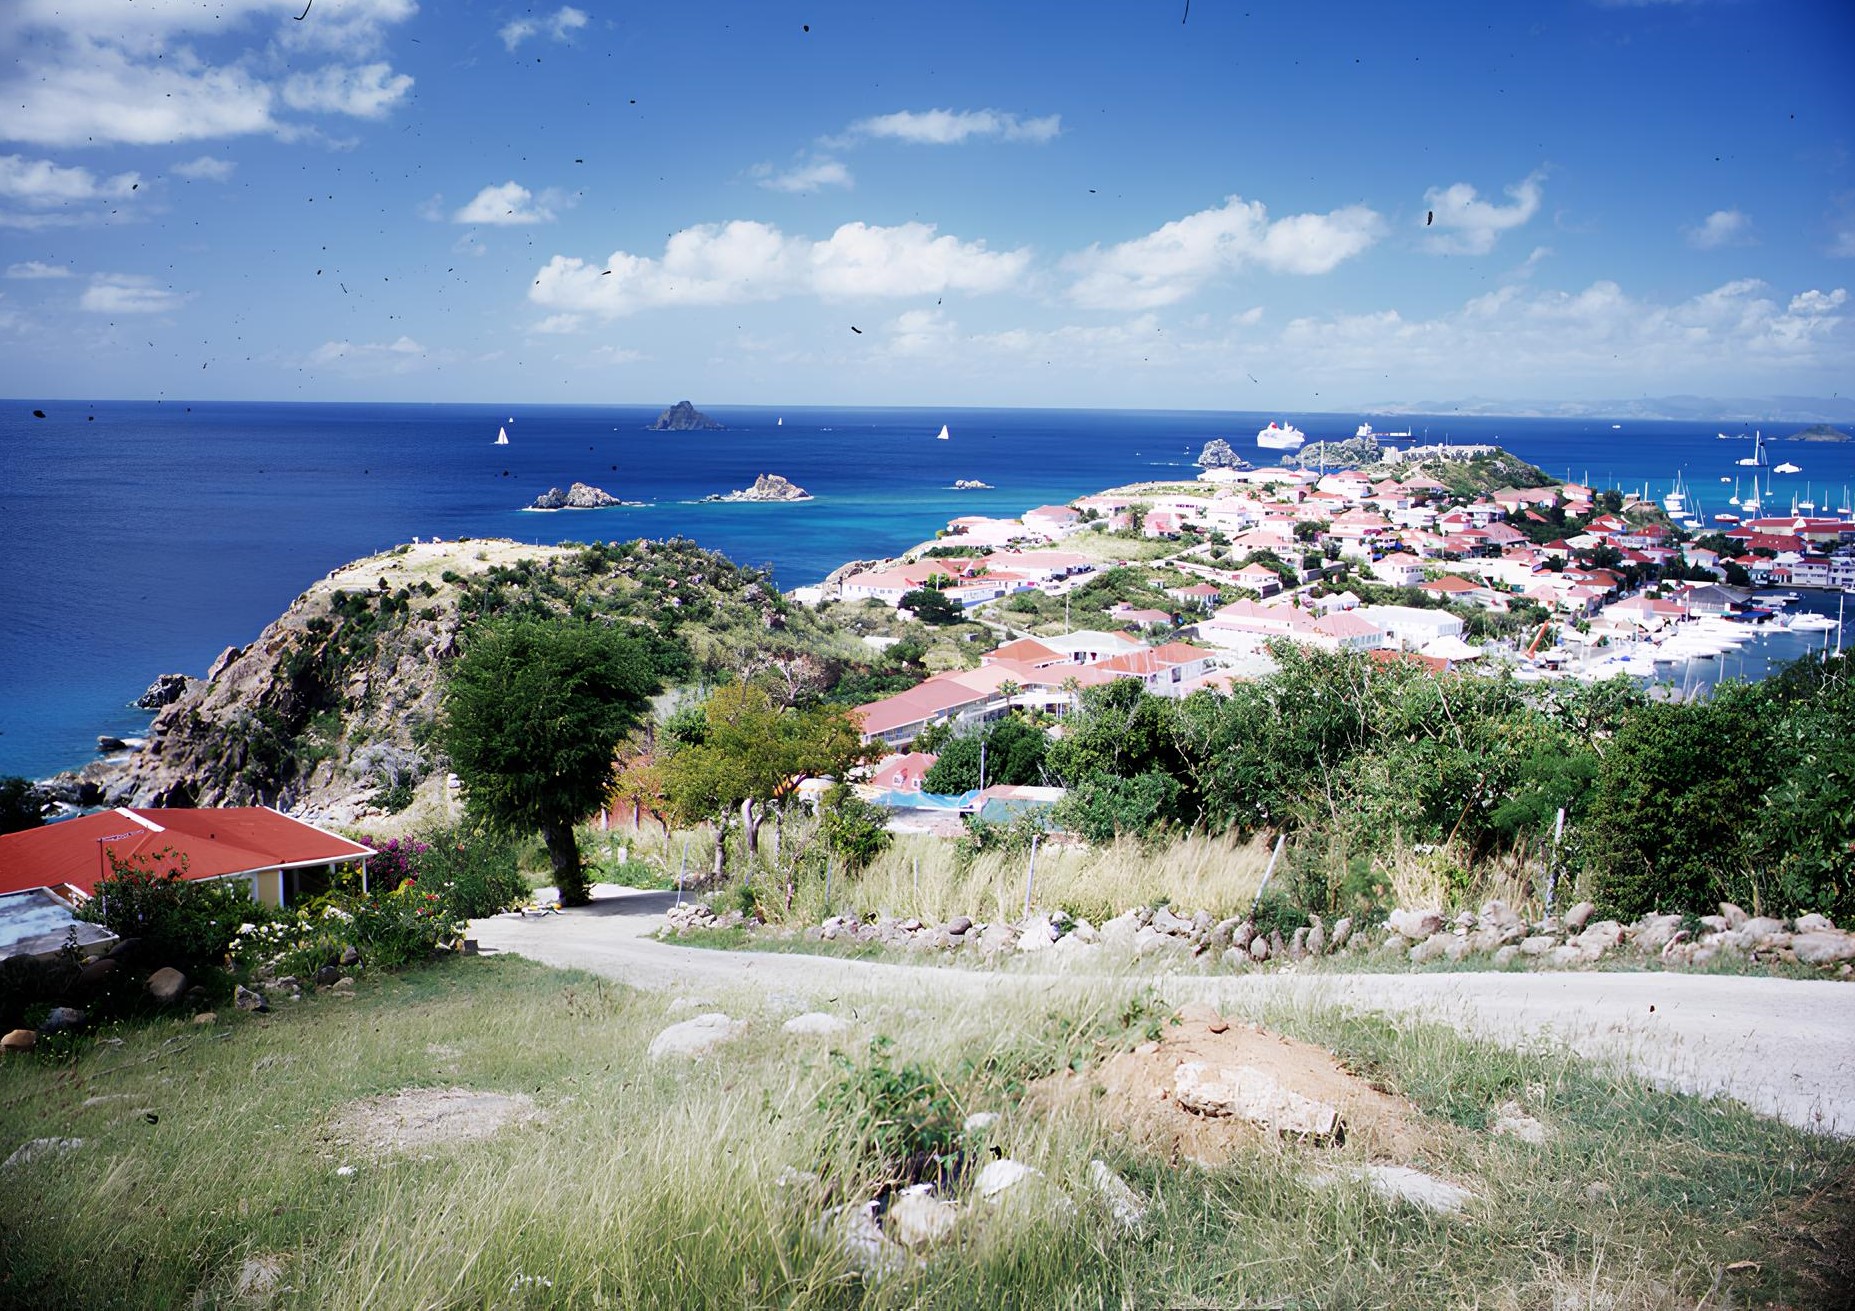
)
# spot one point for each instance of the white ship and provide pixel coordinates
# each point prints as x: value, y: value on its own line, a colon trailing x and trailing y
x: 1281, y: 437
x: 1366, y: 430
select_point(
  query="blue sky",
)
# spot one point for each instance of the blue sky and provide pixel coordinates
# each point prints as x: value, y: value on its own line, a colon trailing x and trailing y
x: 1235, y: 206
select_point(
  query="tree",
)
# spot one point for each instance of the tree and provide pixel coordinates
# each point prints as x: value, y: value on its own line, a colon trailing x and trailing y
x: 752, y: 752
x: 20, y: 805
x: 931, y: 607
x: 1014, y: 752
x: 853, y: 830
x: 532, y: 721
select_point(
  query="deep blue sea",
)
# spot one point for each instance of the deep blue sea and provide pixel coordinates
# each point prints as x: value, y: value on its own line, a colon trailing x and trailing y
x: 140, y: 538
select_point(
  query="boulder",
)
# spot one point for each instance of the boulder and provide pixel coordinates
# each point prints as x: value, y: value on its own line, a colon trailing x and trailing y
x: 164, y: 691
x: 917, y: 1218
x: 1415, y: 924
x: 1654, y: 932
x: 997, y: 937
x: 166, y: 985
x: 694, y: 1037
x: 1813, y: 923
x: 205, y: 1018
x: 1166, y: 922
x: 1298, y: 944
x: 96, y: 976
x: 1342, y: 930
x: 63, y: 1019
x: 327, y: 975
x: 1432, y: 948
x: 28, y: 1152
x: 350, y: 957
x: 247, y: 1000
x: 1118, y: 1196
x: 1598, y: 938
x: 1511, y: 1121
x: 979, y: 1121
x: 854, y: 1233
x: 19, y: 1040
x: 1242, y: 935
x: 1734, y: 917
x: 1824, y: 948
x: 1119, y: 932
x: 1578, y: 916
x: 1037, y: 934
x: 958, y: 925
x: 1538, y: 945
x: 1316, y: 941
x: 1251, y: 1094
x: 816, y: 1024
x: 1016, y: 1186
x: 1400, y: 1183
x: 1259, y: 948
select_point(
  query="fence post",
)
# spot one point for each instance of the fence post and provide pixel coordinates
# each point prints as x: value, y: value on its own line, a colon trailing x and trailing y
x: 1268, y: 874
x: 681, y: 869
x: 1030, y: 873
x: 827, y: 885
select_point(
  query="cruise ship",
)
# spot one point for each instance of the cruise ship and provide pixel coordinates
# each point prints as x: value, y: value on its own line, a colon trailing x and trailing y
x: 1281, y: 437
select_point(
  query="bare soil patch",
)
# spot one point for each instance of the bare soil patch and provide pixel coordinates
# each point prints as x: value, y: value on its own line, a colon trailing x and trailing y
x: 428, y: 1117
x: 1137, y: 1093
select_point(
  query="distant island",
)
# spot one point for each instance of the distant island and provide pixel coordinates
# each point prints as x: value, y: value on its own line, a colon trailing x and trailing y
x: 1820, y: 432
x: 767, y: 487
x: 580, y: 496
x: 684, y: 417
x: 1217, y: 454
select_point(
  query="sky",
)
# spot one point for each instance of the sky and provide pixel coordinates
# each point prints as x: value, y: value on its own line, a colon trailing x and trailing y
x: 1123, y: 203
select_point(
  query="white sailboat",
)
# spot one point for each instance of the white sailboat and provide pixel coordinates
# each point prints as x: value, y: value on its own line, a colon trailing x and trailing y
x: 502, y: 437
x: 780, y: 422
x: 1759, y: 457
x: 943, y: 434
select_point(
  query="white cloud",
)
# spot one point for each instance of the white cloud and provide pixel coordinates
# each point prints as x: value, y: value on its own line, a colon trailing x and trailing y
x: 1723, y: 227
x: 367, y: 358
x: 206, y: 169
x: 1459, y: 222
x: 945, y: 127
x: 507, y: 205
x: 35, y: 269
x: 104, y: 71
x: 818, y: 173
x: 559, y: 324
x: 609, y: 356
x: 40, y: 182
x: 367, y: 91
x: 1169, y: 264
x: 127, y: 293
x: 560, y: 25
x: 732, y: 263
x: 1717, y: 338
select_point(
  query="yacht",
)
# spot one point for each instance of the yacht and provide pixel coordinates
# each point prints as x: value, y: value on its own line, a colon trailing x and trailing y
x: 1366, y: 430
x: 1759, y: 457
x: 1787, y: 467
x: 1281, y: 437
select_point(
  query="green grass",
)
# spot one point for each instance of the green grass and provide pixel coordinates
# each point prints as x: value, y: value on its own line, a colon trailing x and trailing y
x: 654, y: 1184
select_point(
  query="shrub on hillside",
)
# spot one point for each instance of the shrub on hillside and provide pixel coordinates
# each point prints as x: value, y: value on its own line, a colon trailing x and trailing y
x: 187, y: 923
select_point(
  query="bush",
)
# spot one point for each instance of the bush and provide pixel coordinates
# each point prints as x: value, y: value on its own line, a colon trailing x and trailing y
x: 402, y: 927
x: 902, y: 1123
x: 187, y: 923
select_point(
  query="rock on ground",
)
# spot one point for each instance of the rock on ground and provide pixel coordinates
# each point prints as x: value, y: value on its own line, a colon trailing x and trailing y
x: 1254, y: 1095
x: 694, y: 1037
x: 814, y: 1024
x: 1122, y: 1201
x: 1400, y: 1183
x: 917, y: 1218
x: 853, y: 1231
x: 28, y: 1152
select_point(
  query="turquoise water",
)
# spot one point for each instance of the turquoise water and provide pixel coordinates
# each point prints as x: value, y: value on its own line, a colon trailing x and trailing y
x: 142, y: 538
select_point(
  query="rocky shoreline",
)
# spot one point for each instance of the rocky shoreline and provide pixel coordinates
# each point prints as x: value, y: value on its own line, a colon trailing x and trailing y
x: 767, y: 487
x: 580, y: 496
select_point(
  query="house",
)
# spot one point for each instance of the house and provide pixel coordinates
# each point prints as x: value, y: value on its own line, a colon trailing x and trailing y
x: 1410, y: 627
x: 1053, y: 520
x: 278, y: 858
x: 1163, y: 669
x: 903, y: 773
x: 1201, y: 596
x: 1259, y: 578
x: 1400, y: 570
x: 1461, y: 591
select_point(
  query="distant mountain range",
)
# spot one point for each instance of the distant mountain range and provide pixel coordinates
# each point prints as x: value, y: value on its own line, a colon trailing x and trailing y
x: 1708, y: 409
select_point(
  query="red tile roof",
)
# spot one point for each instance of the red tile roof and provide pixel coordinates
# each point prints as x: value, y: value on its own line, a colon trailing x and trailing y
x: 213, y: 843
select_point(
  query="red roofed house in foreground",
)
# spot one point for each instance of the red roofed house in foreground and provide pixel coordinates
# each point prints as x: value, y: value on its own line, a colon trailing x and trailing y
x: 265, y: 848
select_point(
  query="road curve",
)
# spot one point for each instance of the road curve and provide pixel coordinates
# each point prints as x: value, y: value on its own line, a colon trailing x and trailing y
x: 1785, y: 1047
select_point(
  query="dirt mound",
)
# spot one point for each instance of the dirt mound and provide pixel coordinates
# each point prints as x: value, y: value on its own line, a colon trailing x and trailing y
x: 428, y: 1117
x: 1210, y: 1088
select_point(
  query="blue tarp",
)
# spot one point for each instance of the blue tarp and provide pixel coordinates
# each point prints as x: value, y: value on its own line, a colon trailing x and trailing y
x: 924, y: 800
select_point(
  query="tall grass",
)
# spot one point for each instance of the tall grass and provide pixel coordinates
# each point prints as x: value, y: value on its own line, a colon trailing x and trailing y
x: 657, y: 1184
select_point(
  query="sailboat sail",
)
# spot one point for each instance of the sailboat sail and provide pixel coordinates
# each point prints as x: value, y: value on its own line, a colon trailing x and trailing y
x: 502, y: 437
x: 943, y: 434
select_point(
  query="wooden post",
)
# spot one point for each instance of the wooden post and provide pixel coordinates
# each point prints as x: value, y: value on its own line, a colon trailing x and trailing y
x: 827, y: 885
x: 681, y: 869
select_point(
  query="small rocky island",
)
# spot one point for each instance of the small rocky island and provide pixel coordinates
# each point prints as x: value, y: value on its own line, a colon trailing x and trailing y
x: 767, y: 487
x: 970, y: 485
x: 684, y: 417
x: 1819, y: 432
x: 1217, y: 454
x: 580, y: 496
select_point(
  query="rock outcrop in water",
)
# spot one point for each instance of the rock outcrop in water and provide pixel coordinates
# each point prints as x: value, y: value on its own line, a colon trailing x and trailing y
x: 164, y: 691
x: 684, y: 417
x: 1217, y: 454
x: 580, y: 496
x: 768, y: 487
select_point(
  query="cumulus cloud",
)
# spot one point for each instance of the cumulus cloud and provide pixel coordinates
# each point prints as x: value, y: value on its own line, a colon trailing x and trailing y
x: 741, y: 261
x: 1171, y: 263
x: 206, y: 169
x: 105, y: 72
x: 946, y: 127
x: 559, y: 25
x: 1723, y: 227
x: 509, y: 204
x: 370, y: 358
x: 1459, y: 222
x: 1735, y: 331
x: 40, y: 182
x: 35, y: 269
x: 128, y: 293
x: 367, y: 91
x: 559, y: 324
x: 812, y: 176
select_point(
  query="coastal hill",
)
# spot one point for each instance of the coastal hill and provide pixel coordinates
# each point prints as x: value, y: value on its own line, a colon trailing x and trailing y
x: 330, y: 711
x: 1820, y: 432
x: 684, y: 417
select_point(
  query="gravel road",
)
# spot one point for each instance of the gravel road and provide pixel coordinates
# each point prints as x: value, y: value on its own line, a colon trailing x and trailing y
x: 1784, y: 1047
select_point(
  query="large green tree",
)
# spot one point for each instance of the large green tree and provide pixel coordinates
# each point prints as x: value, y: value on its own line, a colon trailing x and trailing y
x: 533, y: 718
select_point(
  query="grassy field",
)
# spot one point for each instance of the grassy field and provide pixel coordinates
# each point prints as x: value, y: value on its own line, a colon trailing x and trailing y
x: 213, y: 1151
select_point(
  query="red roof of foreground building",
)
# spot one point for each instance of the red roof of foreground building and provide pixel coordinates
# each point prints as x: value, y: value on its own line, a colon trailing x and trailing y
x: 212, y: 843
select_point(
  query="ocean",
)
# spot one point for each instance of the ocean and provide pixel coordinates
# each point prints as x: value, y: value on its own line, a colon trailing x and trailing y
x: 142, y: 538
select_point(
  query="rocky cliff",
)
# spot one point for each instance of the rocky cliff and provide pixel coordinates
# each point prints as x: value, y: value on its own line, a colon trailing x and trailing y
x: 1217, y: 454
x: 330, y: 712
x: 580, y: 496
x: 684, y: 417
x: 768, y: 487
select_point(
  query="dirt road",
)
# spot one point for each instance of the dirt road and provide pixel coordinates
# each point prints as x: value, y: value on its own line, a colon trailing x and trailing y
x: 1784, y: 1047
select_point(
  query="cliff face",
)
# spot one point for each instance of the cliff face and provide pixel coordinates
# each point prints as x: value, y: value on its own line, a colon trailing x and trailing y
x: 330, y: 712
